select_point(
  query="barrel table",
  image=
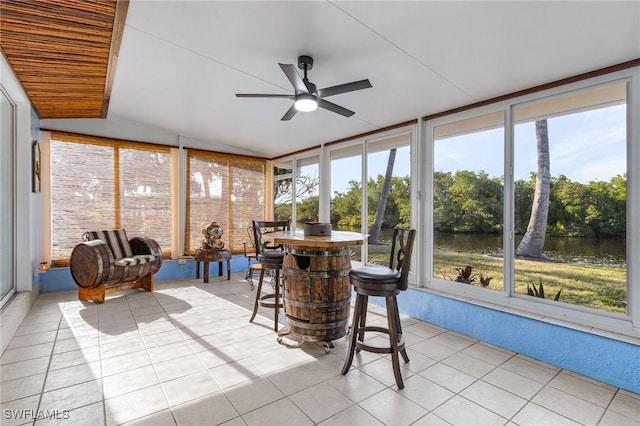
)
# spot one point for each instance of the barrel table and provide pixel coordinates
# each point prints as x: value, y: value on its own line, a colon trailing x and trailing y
x: 316, y: 288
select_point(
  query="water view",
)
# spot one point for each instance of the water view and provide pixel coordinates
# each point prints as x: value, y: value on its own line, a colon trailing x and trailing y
x: 594, y: 251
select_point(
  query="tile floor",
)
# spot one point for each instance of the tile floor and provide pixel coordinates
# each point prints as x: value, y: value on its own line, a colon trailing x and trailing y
x: 186, y: 354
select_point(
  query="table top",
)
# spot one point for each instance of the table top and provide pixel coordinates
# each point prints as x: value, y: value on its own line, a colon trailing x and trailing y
x: 337, y: 239
x: 212, y: 254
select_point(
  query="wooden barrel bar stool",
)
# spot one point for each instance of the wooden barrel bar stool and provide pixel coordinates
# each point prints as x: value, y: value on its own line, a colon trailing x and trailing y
x: 270, y: 258
x: 385, y: 282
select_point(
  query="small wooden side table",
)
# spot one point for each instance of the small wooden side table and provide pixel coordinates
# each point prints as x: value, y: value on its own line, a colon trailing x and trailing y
x: 211, y: 255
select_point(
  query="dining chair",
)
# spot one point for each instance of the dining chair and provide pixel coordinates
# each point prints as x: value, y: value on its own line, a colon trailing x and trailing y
x: 270, y: 257
x: 387, y: 282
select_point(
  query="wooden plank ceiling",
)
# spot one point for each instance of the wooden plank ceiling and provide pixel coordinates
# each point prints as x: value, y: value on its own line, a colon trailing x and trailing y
x: 64, y: 52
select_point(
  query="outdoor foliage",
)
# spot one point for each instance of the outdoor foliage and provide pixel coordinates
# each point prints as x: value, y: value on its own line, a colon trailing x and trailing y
x: 467, y: 201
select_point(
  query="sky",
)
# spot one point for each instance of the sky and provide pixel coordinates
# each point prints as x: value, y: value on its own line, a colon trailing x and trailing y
x: 585, y: 146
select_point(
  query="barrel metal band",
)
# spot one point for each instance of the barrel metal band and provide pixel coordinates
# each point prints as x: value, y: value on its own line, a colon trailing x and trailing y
x: 322, y: 253
x: 299, y: 304
x: 317, y: 274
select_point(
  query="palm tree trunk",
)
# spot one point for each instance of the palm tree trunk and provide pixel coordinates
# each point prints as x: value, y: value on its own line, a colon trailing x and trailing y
x: 533, y: 241
x: 374, y: 231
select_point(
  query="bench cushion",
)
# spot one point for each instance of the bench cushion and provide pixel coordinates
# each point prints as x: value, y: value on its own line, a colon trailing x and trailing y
x: 135, y: 260
x: 117, y: 241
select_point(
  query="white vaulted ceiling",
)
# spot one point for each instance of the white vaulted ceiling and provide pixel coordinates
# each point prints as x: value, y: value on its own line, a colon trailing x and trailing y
x: 180, y: 64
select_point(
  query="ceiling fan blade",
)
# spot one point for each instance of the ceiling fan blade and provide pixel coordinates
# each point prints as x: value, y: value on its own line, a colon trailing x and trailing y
x: 294, y: 78
x: 263, y: 95
x: 335, y: 108
x: 344, y: 88
x: 290, y: 113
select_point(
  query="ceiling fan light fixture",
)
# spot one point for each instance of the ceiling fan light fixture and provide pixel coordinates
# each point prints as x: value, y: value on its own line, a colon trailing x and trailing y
x: 306, y: 103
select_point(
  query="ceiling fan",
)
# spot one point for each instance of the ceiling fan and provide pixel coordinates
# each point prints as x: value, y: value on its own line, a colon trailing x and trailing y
x: 307, y: 97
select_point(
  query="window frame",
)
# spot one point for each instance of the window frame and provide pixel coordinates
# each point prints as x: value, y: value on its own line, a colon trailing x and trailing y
x: 582, y: 318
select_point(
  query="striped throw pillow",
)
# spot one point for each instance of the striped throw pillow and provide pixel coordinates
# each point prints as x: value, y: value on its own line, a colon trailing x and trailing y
x: 117, y: 241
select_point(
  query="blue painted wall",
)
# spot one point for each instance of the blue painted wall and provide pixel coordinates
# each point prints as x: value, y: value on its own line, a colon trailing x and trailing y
x: 610, y: 361
x: 60, y: 279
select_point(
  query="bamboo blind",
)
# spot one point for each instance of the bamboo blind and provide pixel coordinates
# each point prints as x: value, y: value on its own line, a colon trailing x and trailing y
x: 62, y: 52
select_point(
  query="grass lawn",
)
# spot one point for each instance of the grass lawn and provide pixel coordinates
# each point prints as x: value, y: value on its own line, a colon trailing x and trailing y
x: 592, y: 286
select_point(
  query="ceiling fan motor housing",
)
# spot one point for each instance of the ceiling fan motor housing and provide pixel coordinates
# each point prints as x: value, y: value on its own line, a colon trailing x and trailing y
x: 305, y: 62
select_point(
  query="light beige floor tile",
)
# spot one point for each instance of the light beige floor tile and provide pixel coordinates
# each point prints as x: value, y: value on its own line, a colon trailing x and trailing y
x: 627, y: 405
x: 535, y: 415
x: 20, y: 411
x: 431, y: 420
x: 356, y: 385
x: 382, y: 370
x: 25, y: 368
x: 537, y: 371
x: 453, y: 340
x: 433, y: 350
x: 121, y: 348
x: 21, y: 388
x: 514, y: 383
x: 320, y: 402
x: 161, y: 418
x: 282, y: 413
x: 135, y: 405
x: 425, y: 393
x: 493, y: 398
x: 36, y: 328
x: 569, y: 406
x: 92, y: 414
x: 28, y: 352
x: 488, y: 353
x: 174, y: 368
x: 460, y: 411
x: 32, y: 339
x: 448, y: 377
x: 126, y: 362
x: 233, y: 373
x: 191, y: 387
x: 467, y: 364
x: 129, y: 381
x: 294, y: 379
x: 161, y: 339
x: 214, y: 408
x: 259, y: 392
x: 392, y: 408
x: 583, y: 389
x: 611, y: 418
x: 352, y: 416
x: 57, y: 379
x: 72, y: 397
x: 417, y: 361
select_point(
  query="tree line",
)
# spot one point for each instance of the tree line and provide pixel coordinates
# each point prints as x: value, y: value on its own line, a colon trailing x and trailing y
x: 467, y: 201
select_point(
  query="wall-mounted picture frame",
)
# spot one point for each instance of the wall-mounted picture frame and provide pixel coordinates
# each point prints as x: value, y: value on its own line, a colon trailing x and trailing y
x: 36, y: 166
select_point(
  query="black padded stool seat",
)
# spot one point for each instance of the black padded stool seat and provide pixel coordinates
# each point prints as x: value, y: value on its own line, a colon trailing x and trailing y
x: 270, y: 258
x: 384, y: 282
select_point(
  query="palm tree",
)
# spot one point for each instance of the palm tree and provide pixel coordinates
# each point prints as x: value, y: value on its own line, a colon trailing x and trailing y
x: 533, y: 240
x: 374, y: 231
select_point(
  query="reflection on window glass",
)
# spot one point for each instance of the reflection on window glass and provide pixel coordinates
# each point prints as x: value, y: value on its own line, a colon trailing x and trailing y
x: 468, y: 185
x: 388, y: 194
x: 346, y: 192
x: 570, y: 198
x: 283, y: 190
x: 307, y: 187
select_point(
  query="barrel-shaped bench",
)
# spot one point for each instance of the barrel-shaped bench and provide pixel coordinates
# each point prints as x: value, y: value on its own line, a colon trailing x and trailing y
x: 107, y: 261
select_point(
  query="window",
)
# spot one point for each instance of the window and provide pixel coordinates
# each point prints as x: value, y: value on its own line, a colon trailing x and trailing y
x: 553, y: 232
x: 467, y: 201
x: 7, y: 222
x: 101, y: 183
x: 346, y: 191
x: 388, y: 193
x: 225, y: 189
x: 570, y: 167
